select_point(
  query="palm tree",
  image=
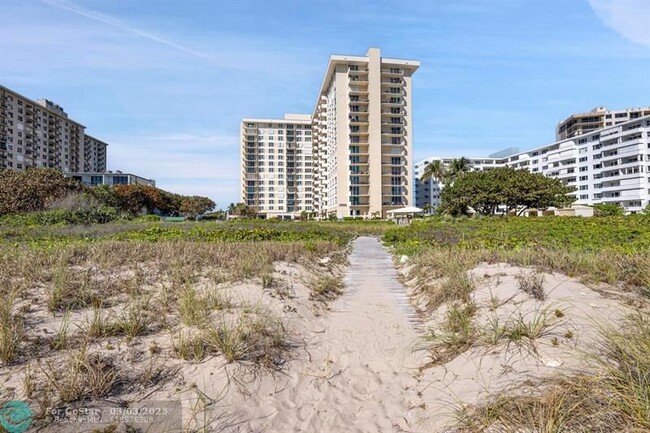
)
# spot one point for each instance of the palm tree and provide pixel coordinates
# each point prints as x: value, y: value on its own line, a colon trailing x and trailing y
x: 435, y: 170
x: 457, y: 168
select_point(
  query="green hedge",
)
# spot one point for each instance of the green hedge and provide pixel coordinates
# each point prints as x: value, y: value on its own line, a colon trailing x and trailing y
x: 60, y: 216
x: 623, y: 233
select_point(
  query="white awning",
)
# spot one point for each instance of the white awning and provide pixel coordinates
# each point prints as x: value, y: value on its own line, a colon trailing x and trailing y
x: 406, y: 210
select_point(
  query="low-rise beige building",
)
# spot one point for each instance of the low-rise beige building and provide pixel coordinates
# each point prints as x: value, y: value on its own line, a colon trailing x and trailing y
x: 40, y: 134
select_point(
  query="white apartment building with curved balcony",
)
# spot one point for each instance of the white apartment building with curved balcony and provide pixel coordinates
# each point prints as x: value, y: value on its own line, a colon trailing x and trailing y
x: 609, y: 165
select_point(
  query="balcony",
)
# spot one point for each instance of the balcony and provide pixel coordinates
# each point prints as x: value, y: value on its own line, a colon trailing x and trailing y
x: 390, y: 113
x: 391, y: 173
x: 358, y: 79
x: 393, y: 164
x: 359, y: 132
x: 358, y: 120
x: 356, y: 90
x: 359, y: 152
x: 393, y: 73
x: 359, y: 110
x: 392, y: 123
x: 395, y: 94
x: 392, y: 134
x: 388, y: 103
x: 358, y: 71
x: 394, y: 203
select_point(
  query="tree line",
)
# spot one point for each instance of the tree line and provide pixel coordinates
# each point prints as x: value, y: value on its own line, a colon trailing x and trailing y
x: 497, y: 190
x: 41, y: 189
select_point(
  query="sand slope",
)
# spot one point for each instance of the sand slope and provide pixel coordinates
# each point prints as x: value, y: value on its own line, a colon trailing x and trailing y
x: 355, y: 367
x: 358, y: 371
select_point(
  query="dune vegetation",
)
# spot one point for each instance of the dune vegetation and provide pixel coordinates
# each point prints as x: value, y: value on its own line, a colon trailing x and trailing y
x: 486, y: 286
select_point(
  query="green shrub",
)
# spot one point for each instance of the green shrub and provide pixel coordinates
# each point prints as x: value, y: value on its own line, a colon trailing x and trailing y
x: 64, y: 217
x: 608, y: 209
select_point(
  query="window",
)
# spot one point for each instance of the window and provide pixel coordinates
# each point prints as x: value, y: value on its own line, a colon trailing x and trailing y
x: 96, y: 180
x: 120, y: 180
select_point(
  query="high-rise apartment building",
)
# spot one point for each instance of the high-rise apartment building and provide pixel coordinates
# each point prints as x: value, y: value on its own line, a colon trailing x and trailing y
x: 598, y: 118
x: 609, y: 165
x: 351, y: 157
x: 363, y: 136
x: 40, y: 134
x: 277, y: 160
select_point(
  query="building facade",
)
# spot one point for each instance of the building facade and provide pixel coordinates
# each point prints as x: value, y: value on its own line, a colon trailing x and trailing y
x: 609, y: 165
x: 277, y: 165
x: 109, y: 178
x: 429, y: 191
x: 363, y: 136
x: 598, y: 118
x: 40, y: 134
x: 359, y: 152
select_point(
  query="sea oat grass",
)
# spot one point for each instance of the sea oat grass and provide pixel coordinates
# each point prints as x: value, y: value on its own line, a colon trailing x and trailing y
x: 614, y: 396
x: 454, y: 335
x: 12, y: 330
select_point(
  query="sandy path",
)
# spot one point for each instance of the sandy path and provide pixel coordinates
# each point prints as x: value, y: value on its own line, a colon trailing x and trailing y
x: 363, y: 373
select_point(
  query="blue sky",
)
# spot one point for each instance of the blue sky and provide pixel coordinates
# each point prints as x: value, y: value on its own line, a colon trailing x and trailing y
x: 167, y: 83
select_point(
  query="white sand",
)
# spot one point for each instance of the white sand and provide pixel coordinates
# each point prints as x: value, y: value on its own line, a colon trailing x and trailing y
x: 354, y: 367
x: 361, y: 373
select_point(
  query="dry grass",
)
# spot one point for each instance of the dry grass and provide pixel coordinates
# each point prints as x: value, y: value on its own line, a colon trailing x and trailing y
x: 12, y: 330
x: 256, y: 337
x: 533, y: 284
x: 84, y: 376
x: 612, y: 396
x: 520, y: 329
x: 107, y: 302
x: 195, y: 307
x: 433, y: 266
x: 455, y: 335
x: 325, y: 287
x: 442, y: 276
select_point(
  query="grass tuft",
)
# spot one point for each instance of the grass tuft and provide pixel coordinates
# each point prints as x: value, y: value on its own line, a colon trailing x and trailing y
x: 533, y: 284
x: 325, y: 288
x: 455, y: 335
x: 12, y: 330
x: 613, y: 397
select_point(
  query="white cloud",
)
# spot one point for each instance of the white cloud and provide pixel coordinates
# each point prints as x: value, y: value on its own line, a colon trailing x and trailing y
x: 629, y: 18
x: 96, y: 16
